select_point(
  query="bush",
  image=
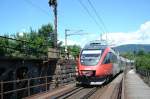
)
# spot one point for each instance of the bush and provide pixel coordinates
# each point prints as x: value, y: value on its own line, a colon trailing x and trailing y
x: 143, y: 62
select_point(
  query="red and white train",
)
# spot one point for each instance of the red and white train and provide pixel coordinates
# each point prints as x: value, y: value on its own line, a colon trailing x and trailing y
x: 97, y: 63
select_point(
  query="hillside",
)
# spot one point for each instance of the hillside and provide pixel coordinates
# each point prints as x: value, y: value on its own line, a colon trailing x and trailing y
x: 133, y: 47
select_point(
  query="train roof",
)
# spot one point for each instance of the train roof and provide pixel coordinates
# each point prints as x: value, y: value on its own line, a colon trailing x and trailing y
x: 98, y: 44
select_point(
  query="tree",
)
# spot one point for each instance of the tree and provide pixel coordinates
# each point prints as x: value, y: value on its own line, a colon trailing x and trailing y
x: 142, y: 60
x: 74, y: 50
x: 3, y: 44
x: 140, y: 53
x: 128, y: 55
x: 47, y: 32
x: 31, y: 43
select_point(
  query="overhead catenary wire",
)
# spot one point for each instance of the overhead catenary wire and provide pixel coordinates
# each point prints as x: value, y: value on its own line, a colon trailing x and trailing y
x: 99, y: 17
x: 37, y: 7
x: 86, y: 9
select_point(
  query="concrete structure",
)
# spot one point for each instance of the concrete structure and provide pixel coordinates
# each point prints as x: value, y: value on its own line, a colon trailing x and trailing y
x: 53, y: 53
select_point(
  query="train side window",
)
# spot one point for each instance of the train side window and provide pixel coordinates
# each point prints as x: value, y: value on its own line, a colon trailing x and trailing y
x: 113, y: 57
x: 107, y: 59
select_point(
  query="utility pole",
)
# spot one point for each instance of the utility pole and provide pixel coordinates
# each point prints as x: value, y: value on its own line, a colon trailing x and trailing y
x: 53, y: 3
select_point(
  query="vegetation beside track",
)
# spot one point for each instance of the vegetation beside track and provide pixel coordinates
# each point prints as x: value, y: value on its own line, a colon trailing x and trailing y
x: 33, y: 43
x: 142, y: 59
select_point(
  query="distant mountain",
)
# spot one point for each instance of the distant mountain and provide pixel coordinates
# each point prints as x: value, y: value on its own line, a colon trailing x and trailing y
x: 133, y: 47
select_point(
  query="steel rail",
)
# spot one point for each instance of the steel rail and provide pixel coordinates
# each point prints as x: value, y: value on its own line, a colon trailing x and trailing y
x: 68, y: 93
x: 93, y: 90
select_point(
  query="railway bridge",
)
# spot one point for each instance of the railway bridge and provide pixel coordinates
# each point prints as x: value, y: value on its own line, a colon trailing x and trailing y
x: 131, y: 84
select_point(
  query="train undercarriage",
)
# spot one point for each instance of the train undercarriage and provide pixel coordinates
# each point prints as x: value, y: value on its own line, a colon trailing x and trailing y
x: 93, y: 80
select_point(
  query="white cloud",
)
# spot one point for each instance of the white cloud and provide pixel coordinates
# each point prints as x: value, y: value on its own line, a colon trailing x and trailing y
x: 141, y: 36
x: 145, y: 31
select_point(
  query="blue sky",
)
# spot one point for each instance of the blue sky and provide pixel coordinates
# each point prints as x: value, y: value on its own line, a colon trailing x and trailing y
x: 120, y: 16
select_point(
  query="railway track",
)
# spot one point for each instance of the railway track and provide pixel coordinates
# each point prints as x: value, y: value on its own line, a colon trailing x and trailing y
x: 109, y: 91
x: 90, y: 93
x: 77, y: 93
x: 67, y: 93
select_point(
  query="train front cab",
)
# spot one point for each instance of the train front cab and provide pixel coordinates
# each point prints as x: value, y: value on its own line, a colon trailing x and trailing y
x: 101, y: 72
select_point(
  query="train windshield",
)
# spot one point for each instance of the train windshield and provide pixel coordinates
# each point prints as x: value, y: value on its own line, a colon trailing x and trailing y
x: 90, y: 57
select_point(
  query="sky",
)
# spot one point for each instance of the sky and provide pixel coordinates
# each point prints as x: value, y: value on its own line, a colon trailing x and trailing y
x: 125, y: 21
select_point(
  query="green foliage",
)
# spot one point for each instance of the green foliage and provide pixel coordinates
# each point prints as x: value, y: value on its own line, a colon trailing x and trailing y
x: 140, y: 53
x: 74, y: 50
x: 3, y: 42
x: 128, y: 55
x: 142, y: 60
x: 31, y: 43
x: 47, y: 32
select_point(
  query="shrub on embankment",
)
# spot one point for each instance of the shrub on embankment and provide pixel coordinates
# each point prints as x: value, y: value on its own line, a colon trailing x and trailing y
x: 142, y: 61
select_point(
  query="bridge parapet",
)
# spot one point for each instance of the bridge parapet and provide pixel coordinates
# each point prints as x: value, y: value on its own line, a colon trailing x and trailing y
x: 53, y: 53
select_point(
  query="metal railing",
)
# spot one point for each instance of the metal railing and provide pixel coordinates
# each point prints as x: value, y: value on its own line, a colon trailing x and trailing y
x: 44, y: 83
x: 145, y: 75
x: 28, y: 86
